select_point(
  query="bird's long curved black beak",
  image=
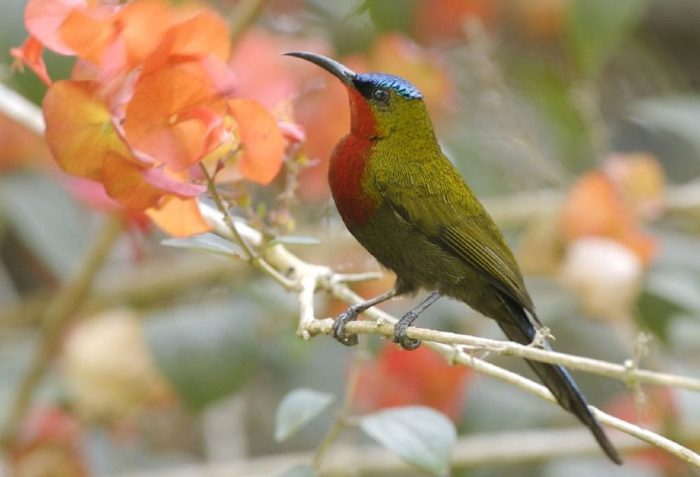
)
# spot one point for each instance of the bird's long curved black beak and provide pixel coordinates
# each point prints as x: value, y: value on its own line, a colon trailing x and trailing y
x: 340, y: 71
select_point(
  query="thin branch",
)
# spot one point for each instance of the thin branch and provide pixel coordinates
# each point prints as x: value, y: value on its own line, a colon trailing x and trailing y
x: 214, y: 193
x: 21, y: 110
x: 646, y: 435
x: 61, y: 308
x: 499, y: 448
x: 457, y: 355
x: 385, y: 328
x: 251, y: 254
x: 341, y: 420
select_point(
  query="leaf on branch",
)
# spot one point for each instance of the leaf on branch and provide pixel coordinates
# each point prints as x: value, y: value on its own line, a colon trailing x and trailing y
x: 47, y: 221
x: 294, y: 240
x: 678, y: 115
x: 206, y: 243
x: 677, y: 287
x: 419, y: 435
x: 299, y: 471
x: 297, y: 409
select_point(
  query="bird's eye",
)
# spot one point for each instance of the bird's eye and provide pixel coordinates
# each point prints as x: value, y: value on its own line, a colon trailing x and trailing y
x: 380, y: 95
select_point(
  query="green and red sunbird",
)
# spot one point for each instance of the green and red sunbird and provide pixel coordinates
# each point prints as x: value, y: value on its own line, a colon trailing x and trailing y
x: 404, y: 201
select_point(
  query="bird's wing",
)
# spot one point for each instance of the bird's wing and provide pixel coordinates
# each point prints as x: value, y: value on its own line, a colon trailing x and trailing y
x: 456, y: 220
x: 474, y: 241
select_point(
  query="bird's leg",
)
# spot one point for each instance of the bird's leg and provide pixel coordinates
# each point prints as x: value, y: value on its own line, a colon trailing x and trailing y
x: 408, y: 319
x: 351, y: 315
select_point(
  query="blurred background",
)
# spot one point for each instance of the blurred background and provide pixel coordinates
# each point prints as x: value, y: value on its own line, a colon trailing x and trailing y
x: 577, y: 122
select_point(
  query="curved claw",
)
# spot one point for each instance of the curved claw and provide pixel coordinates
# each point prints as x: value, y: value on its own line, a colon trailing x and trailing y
x: 339, y: 327
x: 401, y: 338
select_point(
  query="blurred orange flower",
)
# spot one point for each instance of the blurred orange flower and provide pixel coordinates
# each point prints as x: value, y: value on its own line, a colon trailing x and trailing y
x: 446, y: 22
x: 48, y: 444
x: 595, y: 207
x: 400, y: 378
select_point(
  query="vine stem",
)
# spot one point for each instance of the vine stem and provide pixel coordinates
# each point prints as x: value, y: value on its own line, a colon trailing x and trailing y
x: 60, y: 310
x: 252, y: 256
x: 341, y: 420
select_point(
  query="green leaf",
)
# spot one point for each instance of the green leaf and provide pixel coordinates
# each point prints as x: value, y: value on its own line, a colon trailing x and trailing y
x: 205, y: 243
x: 421, y: 436
x: 597, y: 28
x: 207, y: 351
x: 297, y: 409
x: 678, y: 115
x: 47, y: 220
x: 299, y: 471
x: 677, y: 287
x: 387, y: 16
x: 294, y: 240
x: 548, y: 92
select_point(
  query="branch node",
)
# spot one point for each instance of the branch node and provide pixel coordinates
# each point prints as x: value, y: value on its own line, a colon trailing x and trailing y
x: 542, y: 335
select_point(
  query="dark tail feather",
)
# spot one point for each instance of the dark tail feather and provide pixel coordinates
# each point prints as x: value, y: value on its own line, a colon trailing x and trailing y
x: 558, y: 381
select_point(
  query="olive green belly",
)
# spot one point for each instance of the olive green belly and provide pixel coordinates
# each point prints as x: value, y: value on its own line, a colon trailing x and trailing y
x: 418, y: 261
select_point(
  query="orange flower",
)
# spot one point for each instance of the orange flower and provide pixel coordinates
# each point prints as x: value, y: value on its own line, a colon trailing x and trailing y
x: 43, y: 19
x: 261, y: 158
x: 85, y: 143
x: 174, y: 116
x: 151, y: 97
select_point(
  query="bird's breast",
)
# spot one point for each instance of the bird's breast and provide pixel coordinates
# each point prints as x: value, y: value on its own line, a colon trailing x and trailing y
x: 346, y: 177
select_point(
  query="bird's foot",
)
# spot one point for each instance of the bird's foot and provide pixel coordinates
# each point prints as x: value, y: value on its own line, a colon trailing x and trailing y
x: 339, y: 333
x: 400, y: 330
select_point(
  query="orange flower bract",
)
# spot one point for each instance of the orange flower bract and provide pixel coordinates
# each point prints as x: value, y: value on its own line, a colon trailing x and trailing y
x: 123, y: 181
x: 151, y: 97
x: 179, y: 217
x: 162, y: 117
x: 79, y: 129
x: 263, y: 144
x: 29, y: 54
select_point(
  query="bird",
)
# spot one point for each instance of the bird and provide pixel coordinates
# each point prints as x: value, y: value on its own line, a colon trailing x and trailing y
x: 407, y: 205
